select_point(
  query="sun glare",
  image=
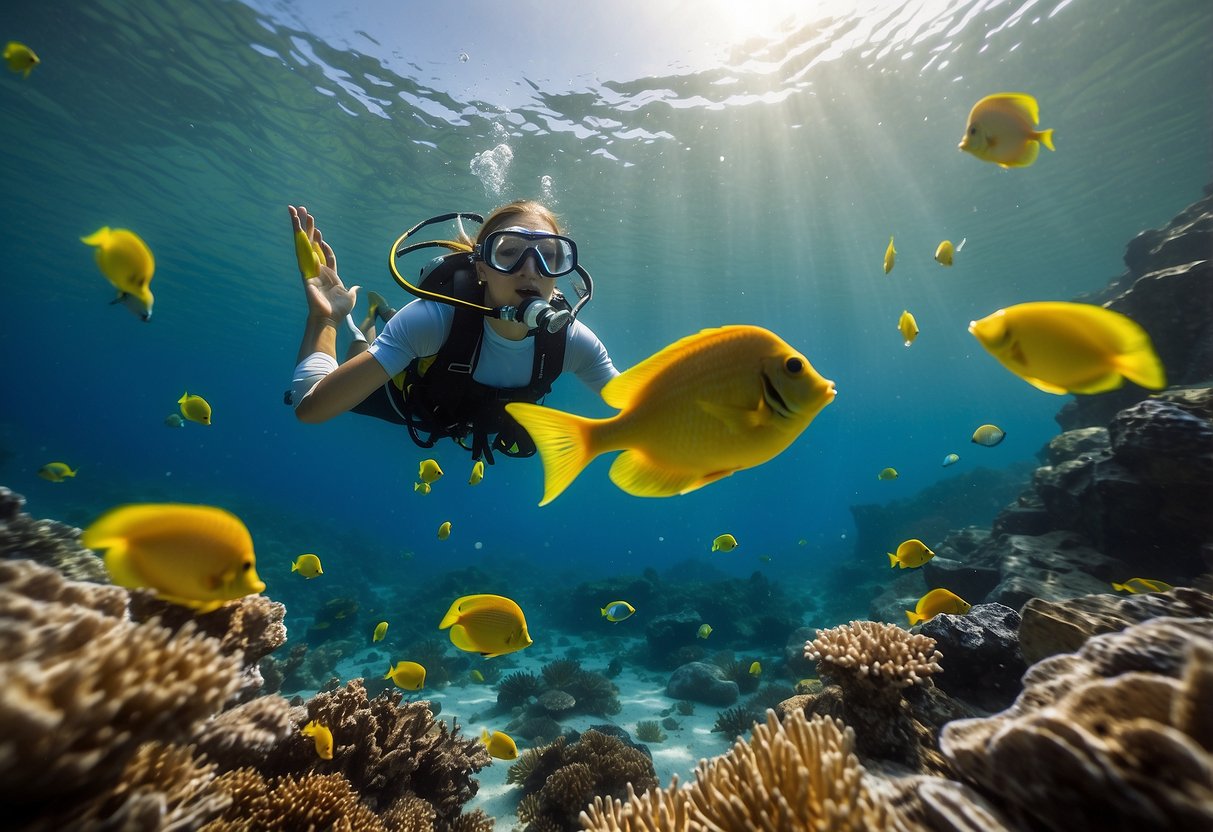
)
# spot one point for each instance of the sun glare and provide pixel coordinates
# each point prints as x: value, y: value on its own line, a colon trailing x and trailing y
x: 738, y: 20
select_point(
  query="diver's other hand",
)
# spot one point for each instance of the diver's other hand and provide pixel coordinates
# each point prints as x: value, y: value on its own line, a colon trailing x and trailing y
x: 327, y: 296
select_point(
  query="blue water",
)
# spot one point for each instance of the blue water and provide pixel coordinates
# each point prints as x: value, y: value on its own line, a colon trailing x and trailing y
x: 707, y: 182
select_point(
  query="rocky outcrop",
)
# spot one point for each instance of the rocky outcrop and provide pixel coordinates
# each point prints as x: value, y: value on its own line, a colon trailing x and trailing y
x: 1168, y: 289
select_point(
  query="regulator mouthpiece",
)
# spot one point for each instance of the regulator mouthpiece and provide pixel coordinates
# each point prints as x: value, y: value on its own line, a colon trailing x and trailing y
x: 537, y: 313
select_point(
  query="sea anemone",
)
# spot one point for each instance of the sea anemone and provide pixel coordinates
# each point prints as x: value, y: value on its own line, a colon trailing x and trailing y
x: 685, y: 707
x: 735, y: 722
x: 595, y: 693
x: 649, y: 730
x: 560, y: 673
x: 516, y: 688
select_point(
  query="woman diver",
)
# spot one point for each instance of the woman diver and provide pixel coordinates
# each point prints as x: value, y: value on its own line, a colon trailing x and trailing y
x: 489, y: 327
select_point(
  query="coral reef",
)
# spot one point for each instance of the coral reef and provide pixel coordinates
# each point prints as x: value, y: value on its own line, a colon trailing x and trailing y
x: 48, y: 542
x: 798, y: 774
x: 871, y: 664
x: 735, y: 722
x: 560, y: 780
x: 1117, y: 735
x: 649, y: 730
x: 517, y: 687
x: 82, y: 686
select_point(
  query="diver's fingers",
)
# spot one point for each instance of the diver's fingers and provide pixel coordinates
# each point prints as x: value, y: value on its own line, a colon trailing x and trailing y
x: 354, y: 295
x: 295, y: 226
x: 330, y: 257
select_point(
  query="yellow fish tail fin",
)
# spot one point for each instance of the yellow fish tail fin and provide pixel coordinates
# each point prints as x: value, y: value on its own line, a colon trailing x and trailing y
x: 892, y: 559
x: 914, y: 617
x: 98, y: 238
x: 639, y: 476
x: 1143, y: 366
x: 1045, y: 137
x: 563, y: 440
x: 1120, y: 587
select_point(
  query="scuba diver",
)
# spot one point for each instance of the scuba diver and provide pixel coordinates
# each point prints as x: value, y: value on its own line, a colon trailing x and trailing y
x: 489, y: 326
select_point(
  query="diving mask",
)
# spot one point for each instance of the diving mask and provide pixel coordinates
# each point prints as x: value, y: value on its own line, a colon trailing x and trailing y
x: 506, y: 251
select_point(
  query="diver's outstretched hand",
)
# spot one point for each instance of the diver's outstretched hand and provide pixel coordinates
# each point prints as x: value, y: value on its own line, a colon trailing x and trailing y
x: 327, y: 296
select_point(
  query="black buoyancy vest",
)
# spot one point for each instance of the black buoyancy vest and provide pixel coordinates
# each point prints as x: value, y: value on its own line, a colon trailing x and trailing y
x: 439, y: 397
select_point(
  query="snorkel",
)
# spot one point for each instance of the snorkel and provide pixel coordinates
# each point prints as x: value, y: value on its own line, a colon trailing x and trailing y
x: 534, y: 312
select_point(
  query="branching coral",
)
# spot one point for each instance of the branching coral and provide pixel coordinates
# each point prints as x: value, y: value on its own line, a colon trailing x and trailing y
x: 387, y: 750
x: 48, y: 542
x: 248, y: 734
x: 595, y: 693
x: 873, y: 664
x: 82, y: 687
x: 734, y: 722
x: 649, y: 730
x: 798, y: 774
x: 559, y: 781
x: 1117, y: 735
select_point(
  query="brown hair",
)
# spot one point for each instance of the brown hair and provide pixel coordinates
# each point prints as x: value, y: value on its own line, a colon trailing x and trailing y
x: 501, y: 216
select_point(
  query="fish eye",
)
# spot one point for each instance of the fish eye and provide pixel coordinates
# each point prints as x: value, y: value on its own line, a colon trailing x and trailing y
x: 248, y: 564
x: 794, y: 365
x: 972, y: 131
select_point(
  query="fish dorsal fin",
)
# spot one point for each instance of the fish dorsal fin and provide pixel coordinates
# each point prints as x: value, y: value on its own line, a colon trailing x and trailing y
x: 1022, y: 102
x: 623, y: 390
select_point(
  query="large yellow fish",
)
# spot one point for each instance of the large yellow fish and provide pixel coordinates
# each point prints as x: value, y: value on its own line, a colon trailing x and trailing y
x: 195, y: 408
x: 429, y: 471
x: 20, y: 58
x: 126, y: 262
x: 1002, y: 130
x: 56, y: 471
x: 491, y: 625
x: 198, y: 556
x: 704, y: 407
x: 1064, y: 347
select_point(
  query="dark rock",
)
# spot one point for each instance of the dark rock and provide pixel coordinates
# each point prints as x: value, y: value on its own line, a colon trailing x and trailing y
x: 666, y: 633
x: 1052, y: 627
x: 1057, y: 565
x: 793, y: 652
x: 1077, y: 443
x: 968, y: 581
x: 981, y: 660
x: 702, y: 682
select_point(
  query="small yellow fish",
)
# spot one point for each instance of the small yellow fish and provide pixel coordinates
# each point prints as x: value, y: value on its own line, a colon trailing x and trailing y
x: 887, y: 474
x: 908, y: 327
x: 476, y: 676
x: 618, y: 611
x: 724, y: 543
x: 1002, y: 129
x: 477, y: 473
x: 1061, y: 347
x: 910, y: 554
x: 380, y: 631
x: 126, y: 262
x: 703, y: 408
x: 705, y: 630
x: 323, y: 738
x: 407, y: 675
x: 1136, y: 585
x: 308, y: 254
x: 195, y: 408
x: 174, y: 421
x: 197, y: 556
x: 56, y: 471
x: 499, y: 744
x: 308, y: 566
x: 491, y: 625
x: 20, y: 58
x: 988, y: 435
x: 935, y: 602
x: 444, y: 531
x: 890, y: 256
x: 421, y: 487
x: 755, y: 669
x: 429, y: 471
x: 951, y: 459
x: 944, y: 253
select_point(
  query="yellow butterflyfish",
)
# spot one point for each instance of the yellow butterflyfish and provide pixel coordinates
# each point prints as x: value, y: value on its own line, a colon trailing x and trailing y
x: 429, y: 471
x: 127, y: 263
x: 890, y: 257
x: 491, y: 625
x: 935, y: 602
x: 195, y: 408
x: 20, y: 58
x: 944, y: 253
x: 887, y: 474
x: 1002, y: 129
x: 988, y: 435
x: 724, y: 543
x: 910, y: 554
x: 755, y: 668
x: 704, y: 631
x: 197, y: 556
x: 477, y: 473
x: 703, y: 408
x: 57, y: 471
x: 380, y: 631
x: 323, y: 738
x: 1061, y: 347
x: 444, y: 531
x: 500, y: 745
x: 308, y: 566
x: 908, y: 327
x: 618, y: 611
x: 406, y: 675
